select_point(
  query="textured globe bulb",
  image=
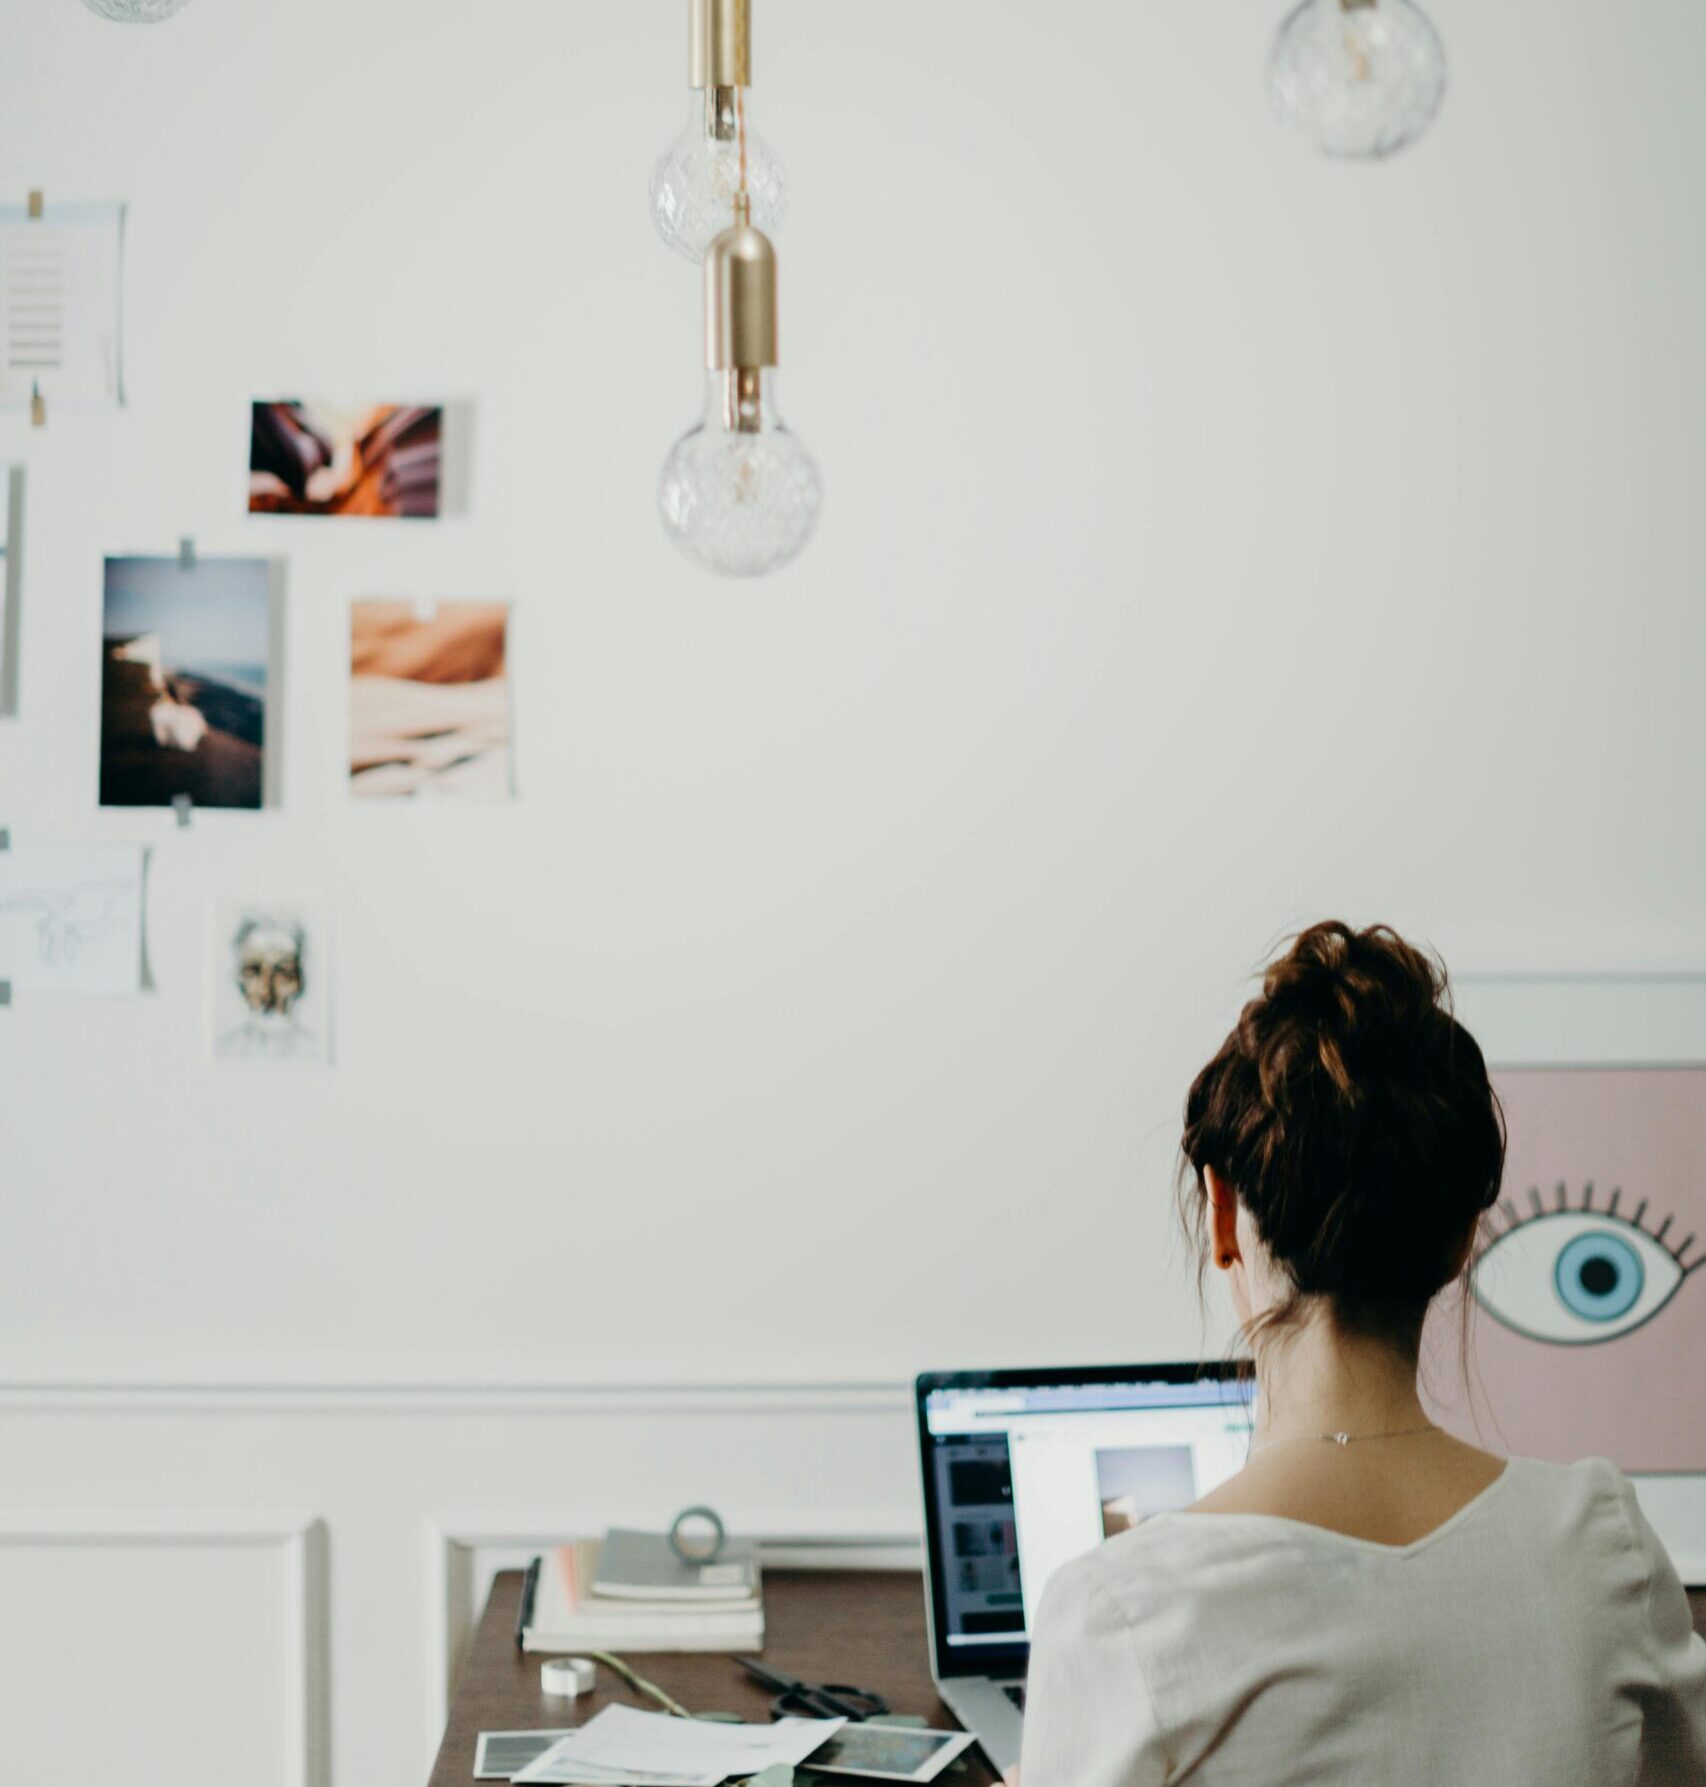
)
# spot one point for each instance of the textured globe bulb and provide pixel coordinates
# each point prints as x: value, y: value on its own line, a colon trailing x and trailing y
x: 696, y: 178
x: 1360, y: 77
x: 135, y: 12
x: 739, y: 493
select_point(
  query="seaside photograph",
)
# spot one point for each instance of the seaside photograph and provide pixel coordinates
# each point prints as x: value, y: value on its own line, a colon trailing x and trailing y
x: 429, y: 699
x: 312, y: 458
x: 184, y: 671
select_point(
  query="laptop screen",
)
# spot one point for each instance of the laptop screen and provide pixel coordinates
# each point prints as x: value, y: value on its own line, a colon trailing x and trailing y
x: 1024, y: 1471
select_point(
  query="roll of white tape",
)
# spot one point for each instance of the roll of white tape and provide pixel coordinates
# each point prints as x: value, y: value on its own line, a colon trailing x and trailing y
x: 569, y: 1677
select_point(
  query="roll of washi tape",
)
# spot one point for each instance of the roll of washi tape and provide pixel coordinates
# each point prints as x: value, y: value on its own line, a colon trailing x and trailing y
x: 697, y: 1535
x: 569, y: 1677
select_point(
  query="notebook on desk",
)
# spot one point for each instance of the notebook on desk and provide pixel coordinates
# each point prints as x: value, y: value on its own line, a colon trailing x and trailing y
x: 646, y: 1567
x: 563, y: 1612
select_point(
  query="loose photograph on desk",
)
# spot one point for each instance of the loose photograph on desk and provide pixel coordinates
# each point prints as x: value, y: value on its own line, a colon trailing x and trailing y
x: 501, y: 1755
x: 312, y: 458
x: 888, y: 1752
x: 429, y: 699
x: 186, y: 654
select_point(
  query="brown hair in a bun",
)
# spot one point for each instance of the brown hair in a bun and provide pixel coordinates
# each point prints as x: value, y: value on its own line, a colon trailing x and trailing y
x: 1353, y: 1116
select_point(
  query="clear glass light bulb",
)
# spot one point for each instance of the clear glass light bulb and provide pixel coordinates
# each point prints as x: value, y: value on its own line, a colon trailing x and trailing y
x: 1361, y: 78
x: 135, y: 12
x: 696, y: 179
x: 739, y: 493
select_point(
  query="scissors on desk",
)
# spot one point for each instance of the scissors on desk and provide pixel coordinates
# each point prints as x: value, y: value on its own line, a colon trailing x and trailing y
x: 812, y: 1700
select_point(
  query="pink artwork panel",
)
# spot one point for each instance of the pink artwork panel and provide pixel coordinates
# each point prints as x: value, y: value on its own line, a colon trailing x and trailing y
x: 1588, y: 1312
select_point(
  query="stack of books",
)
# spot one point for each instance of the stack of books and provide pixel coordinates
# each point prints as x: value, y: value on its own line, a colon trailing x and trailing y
x: 630, y: 1592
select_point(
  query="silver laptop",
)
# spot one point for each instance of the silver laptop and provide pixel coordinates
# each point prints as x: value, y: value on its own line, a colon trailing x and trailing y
x: 1025, y: 1470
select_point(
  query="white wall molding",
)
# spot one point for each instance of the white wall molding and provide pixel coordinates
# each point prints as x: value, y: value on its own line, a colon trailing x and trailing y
x: 22, y: 1397
x: 299, y: 1540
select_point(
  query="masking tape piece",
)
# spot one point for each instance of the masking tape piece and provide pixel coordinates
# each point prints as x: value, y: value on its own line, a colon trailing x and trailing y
x: 569, y: 1677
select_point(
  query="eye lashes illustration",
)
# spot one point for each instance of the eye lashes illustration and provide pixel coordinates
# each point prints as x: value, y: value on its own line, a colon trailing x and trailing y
x: 1578, y: 1274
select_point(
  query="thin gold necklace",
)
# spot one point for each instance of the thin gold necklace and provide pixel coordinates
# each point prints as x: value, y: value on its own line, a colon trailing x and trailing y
x: 1343, y: 1439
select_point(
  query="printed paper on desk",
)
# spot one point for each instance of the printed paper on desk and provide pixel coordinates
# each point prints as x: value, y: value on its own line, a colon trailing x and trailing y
x: 658, y: 1750
x: 71, y: 918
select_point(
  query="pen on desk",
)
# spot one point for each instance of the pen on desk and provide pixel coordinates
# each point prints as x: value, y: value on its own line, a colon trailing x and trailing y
x: 529, y: 1587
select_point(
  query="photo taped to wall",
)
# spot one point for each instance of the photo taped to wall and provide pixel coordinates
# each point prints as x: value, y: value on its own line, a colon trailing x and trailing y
x: 185, y: 663
x: 429, y: 699
x: 313, y: 458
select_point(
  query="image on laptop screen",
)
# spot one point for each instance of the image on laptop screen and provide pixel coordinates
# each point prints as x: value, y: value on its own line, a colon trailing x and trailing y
x: 1023, y: 1478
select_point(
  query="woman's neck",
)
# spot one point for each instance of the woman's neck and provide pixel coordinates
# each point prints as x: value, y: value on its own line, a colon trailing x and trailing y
x: 1315, y: 1379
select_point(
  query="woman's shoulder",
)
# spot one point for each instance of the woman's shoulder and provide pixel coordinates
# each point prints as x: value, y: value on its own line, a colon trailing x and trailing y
x: 1583, y: 1512
x: 1591, y: 1493
x: 1178, y: 1560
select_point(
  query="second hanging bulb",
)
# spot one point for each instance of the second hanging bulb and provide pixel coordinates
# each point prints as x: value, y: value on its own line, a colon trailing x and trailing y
x: 697, y: 177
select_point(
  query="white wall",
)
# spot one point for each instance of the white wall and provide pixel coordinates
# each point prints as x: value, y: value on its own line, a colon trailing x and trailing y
x: 247, y: 1552
x: 1215, y: 538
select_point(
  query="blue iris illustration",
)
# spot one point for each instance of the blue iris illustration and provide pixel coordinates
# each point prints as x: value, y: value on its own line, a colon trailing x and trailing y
x: 1599, y: 1276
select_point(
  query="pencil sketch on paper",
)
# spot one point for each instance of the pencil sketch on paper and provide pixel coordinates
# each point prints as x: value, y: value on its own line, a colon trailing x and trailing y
x: 71, y: 918
x: 269, y: 985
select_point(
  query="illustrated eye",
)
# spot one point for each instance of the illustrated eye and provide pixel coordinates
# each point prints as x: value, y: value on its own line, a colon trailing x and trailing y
x: 1576, y: 1277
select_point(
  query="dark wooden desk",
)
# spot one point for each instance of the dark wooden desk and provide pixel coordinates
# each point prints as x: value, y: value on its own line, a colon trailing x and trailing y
x: 861, y: 1627
x: 865, y: 1628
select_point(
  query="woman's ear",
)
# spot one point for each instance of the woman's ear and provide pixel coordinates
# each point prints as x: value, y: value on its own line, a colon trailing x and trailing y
x: 1222, y: 1219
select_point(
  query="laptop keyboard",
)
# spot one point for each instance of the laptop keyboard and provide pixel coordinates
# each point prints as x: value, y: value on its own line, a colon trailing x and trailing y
x: 1015, y: 1691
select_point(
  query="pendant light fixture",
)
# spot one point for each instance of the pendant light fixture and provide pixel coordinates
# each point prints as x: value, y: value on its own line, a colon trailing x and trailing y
x: 716, y: 154
x: 135, y: 12
x: 740, y: 493
x: 1360, y: 78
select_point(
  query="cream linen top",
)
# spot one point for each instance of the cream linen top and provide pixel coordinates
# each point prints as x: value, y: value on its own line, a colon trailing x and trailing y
x: 1539, y: 1638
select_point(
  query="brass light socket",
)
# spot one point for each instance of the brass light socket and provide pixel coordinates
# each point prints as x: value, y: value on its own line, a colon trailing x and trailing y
x: 740, y: 298
x: 719, y: 43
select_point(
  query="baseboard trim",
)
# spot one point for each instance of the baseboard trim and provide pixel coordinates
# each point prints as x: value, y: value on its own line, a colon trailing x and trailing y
x: 452, y: 1398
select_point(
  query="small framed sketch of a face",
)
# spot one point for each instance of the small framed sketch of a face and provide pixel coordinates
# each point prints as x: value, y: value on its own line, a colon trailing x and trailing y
x: 271, y: 969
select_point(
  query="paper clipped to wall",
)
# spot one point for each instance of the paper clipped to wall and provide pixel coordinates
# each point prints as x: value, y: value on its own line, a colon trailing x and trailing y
x: 71, y: 918
x: 60, y: 283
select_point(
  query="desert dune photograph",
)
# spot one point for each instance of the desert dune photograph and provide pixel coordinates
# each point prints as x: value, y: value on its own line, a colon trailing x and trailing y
x: 429, y: 699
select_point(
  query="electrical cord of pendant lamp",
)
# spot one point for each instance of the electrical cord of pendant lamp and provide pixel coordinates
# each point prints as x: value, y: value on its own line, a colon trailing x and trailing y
x: 740, y: 133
